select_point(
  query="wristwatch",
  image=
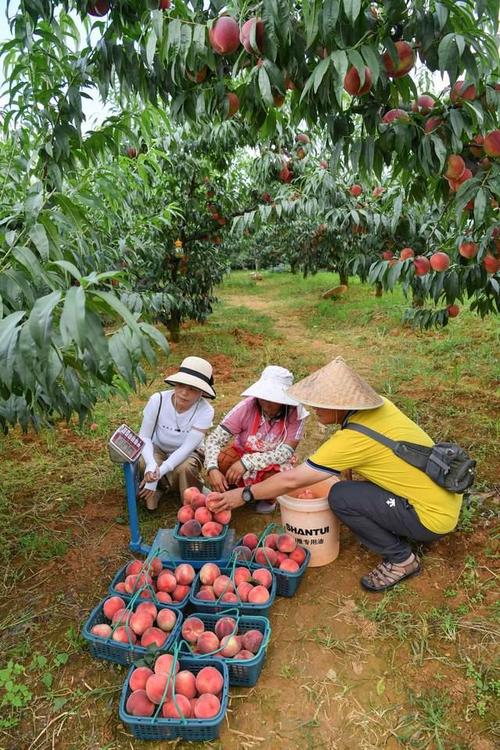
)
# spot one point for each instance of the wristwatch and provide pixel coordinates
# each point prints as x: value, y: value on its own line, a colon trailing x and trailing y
x: 247, y: 495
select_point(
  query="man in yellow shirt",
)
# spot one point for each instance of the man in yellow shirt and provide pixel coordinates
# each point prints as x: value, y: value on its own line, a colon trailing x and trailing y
x: 394, y: 503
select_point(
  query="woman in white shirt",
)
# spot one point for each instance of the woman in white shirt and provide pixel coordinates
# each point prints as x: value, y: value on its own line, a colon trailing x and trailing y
x: 173, y: 427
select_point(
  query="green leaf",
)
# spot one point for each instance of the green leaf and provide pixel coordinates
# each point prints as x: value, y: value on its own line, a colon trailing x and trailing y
x: 447, y: 53
x: 457, y: 122
x: 352, y: 9
x: 114, y: 305
x: 151, y: 46
x: 329, y: 16
x: 480, y: 205
x: 439, y: 149
x: 38, y: 236
x: 40, y: 319
x: 319, y: 72
x: 72, y: 323
x: 372, y: 59
x: 265, y: 86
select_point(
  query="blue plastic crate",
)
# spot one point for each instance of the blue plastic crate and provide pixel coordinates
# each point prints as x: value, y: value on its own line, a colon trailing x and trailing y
x: 120, y: 576
x: 242, y: 672
x: 194, y: 730
x: 168, y: 550
x: 245, y: 608
x: 123, y: 653
x: 206, y: 548
x: 286, y: 583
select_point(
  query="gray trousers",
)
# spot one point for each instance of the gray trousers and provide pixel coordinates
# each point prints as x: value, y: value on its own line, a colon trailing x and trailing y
x: 380, y: 520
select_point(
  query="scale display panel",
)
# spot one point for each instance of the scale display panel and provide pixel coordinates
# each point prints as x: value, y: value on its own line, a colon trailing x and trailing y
x: 127, y: 443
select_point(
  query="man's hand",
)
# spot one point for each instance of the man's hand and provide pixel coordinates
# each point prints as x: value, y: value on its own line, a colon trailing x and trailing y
x: 152, y: 476
x: 226, y: 501
x: 144, y: 492
x: 217, y: 480
x: 235, y: 472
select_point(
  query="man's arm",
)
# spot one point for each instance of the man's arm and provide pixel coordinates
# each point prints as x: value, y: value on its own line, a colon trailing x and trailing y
x: 279, y: 484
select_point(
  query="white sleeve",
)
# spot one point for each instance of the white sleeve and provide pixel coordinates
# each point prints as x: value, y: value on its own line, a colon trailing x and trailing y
x: 192, y: 441
x: 147, y: 429
x: 205, y: 416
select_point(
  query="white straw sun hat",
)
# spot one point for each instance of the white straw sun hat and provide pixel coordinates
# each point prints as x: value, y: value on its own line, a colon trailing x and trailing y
x: 336, y: 386
x: 197, y: 373
x: 272, y: 385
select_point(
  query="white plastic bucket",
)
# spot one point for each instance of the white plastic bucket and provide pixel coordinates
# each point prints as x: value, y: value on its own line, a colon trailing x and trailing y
x: 312, y: 523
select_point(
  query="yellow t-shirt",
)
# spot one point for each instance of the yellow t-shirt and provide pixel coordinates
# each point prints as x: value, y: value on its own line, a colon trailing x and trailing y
x: 436, y: 508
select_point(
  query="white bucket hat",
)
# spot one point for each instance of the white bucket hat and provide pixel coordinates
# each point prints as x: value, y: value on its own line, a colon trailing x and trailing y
x: 272, y: 386
x: 336, y: 386
x: 197, y: 373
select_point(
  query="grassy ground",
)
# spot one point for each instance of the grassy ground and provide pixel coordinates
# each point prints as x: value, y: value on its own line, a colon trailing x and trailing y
x: 411, y: 669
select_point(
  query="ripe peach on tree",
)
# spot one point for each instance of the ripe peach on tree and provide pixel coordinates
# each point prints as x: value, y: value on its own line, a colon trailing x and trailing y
x: 224, y: 36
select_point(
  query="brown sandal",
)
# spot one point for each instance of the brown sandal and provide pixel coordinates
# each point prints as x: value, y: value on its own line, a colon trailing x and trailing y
x: 387, y: 574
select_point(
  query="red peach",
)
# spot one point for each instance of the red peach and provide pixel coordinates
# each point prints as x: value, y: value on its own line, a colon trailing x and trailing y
x: 468, y: 249
x: 207, y: 642
x: 405, y: 59
x: 206, y: 595
x: 352, y: 82
x: 252, y: 640
x: 439, y: 261
x: 263, y: 576
x: 224, y: 36
x: 156, y: 688
x: 265, y: 556
x: 200, y: 501
x: 123, y: 634
x: 166, y: 619
x: 208, y: 573
x: 163, y: 597
x: 148, y: 607
x: 432, y: 124
x: 290, y: 566
x: 355, y: 190
x: 225, y: 626
x: 271, y: 540
x: 190, y: 528
x: 180, y: 592
x: 155, y: 566
x: 122, y: 617
x: 286, y: 543
x: 452, y: 311
x: 244, y: 655
x: 133, y: 568
x: 211, y: 528
x: 189, y: 494
x: 222, y: 584
x: 242, y: 553
x: 203, y: 515
x: 163, y: 664
x: 462, y: 90
x: 192, y: 628
x: 112, y: 605
x: 121, y: 588
x: 139, y: 677
x: 299, y: 555
x: 184, y: 514
x: 243, y: 590
x: 209, y: 680
x: 396, y: 115
x: 455, y: 167
x: 140, y: 622
x: 153, y: 637
x: 178, y: 708
x: 230, y: 645
x: 250, y: 540
x: 138, y: 704
x: 207, y: 706
x: 185, y: 683
x: 166, y: 581
x: 422, y: 265
x: 406, y: 253
x: 229, y: 596
x: 223, y: 517
x: 252, y: 26
x: 258, y: 595
x: 491, y: 264
x: 184, y: 574
x: 102, y: 630
x: 240, y: 575
x: 280, y: 556
x: 424, y: 104
x: 492, y: 143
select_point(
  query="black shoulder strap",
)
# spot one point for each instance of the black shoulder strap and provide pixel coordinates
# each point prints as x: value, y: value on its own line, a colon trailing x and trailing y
x: 372, y: 434
x: 157, y: 415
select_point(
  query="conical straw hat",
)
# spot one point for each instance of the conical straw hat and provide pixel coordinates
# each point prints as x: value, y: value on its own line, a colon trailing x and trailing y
x: 335, y: 386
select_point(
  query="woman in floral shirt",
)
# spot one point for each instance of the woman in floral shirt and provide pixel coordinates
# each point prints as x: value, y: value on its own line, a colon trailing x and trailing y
x: 258, y: 437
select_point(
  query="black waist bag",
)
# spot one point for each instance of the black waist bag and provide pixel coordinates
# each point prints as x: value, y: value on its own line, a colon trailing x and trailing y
x: 447, y: 464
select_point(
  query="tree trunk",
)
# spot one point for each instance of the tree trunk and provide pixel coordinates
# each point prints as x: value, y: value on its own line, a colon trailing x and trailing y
x: 173, y: 325
x: 378, y: 289
x: 344, y: 277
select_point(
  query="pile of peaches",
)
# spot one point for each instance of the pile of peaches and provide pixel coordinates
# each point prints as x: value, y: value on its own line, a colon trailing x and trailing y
x: 153, y: 581
x: 279, y: 551
x: 225, y: 639
x: 244, y: 585
x: 195, y: 517
x: 142, y: 624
